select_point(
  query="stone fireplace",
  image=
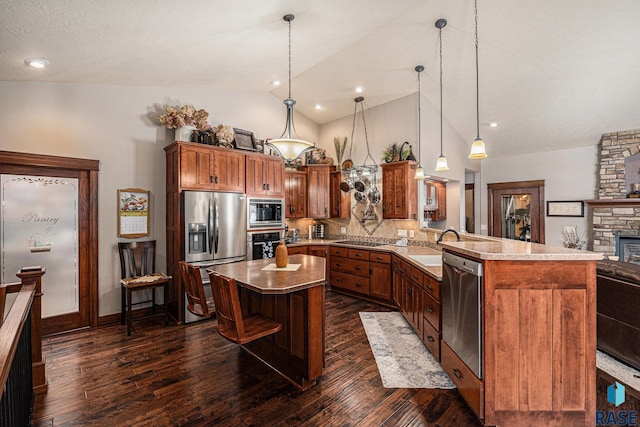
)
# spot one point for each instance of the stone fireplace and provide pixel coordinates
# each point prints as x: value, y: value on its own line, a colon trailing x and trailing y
x: 616, y: 218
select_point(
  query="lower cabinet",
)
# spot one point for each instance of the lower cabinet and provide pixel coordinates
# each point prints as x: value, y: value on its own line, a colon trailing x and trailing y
x: 300, y: 249
x: 362, y: 273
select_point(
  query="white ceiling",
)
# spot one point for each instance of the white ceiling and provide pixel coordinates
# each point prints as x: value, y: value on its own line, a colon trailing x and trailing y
x: 555, y: 74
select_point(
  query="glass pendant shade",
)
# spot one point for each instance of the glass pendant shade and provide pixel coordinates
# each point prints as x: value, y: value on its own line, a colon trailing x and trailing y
x: 419, y: 173
x: 478, y: 150
x: 441, y: 164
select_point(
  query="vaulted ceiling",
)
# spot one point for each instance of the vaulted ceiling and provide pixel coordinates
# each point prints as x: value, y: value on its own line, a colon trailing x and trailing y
x: 555, y: 74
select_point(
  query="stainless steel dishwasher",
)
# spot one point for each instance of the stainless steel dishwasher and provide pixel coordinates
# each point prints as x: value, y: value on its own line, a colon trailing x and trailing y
x: 462, y: 309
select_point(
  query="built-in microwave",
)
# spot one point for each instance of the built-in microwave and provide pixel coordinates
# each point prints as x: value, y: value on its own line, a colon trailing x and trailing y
x: 265, y: 213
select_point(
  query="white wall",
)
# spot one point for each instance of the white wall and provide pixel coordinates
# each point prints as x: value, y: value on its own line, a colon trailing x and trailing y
x: 568, y: 174
x: 117, y: 126
x: 396, y: 122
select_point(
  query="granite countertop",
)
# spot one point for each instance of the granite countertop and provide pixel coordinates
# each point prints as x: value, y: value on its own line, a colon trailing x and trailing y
x: 514, y: 250
x: 250, y: 274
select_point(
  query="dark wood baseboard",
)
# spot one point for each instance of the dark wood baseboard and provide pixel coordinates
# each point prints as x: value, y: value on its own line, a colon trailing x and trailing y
x: 114, y: 319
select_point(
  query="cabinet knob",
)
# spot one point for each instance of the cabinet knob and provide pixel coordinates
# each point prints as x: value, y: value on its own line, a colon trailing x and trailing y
x: 457, y: 373
x: 430, y: 310
x: 216, y: 179
x: 430, y: 287
x: 430, y: 338
x: 268, y: 186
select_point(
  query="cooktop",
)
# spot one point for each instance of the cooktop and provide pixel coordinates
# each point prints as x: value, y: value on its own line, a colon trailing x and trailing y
x: 361, y: 243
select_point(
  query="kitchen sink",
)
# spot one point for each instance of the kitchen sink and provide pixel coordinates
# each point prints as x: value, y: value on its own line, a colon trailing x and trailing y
x: 428, y: 260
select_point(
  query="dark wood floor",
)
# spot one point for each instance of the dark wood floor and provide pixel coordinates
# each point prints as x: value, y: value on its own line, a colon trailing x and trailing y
x: 189, y: 375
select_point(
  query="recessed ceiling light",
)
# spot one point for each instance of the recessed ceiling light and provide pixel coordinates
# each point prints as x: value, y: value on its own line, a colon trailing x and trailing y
x: 36, y: 62
x: 274, y: 82
x: 494, y: 124
x: 318, y: 106
x: 359, y: 89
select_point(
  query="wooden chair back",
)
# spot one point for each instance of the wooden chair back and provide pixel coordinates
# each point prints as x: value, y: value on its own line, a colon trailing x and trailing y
x: 137, y: 258
x: 197, y: 302
x: 232, y: 325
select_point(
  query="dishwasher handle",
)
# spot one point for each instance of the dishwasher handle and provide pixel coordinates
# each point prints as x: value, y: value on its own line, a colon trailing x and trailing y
x: 463, y: 264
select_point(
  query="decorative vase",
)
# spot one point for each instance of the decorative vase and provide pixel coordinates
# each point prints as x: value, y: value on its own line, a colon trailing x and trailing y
x: 184, y: 133
x: 282, y: 255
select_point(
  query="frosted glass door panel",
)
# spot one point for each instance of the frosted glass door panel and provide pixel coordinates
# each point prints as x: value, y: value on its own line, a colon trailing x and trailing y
x: 40, y: 227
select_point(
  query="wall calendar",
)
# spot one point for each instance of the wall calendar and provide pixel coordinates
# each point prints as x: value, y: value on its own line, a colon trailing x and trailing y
x: 133, y: 212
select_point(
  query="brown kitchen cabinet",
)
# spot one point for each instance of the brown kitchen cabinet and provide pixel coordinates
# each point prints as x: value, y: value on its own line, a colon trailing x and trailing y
x: 351, y: 271
x: 298, y: 249
x: 340, y: 202
x: 318, y: 178
x: 203, y: 167
x: 295, y: 198
x: 380, y: 275
x: 436, y: 200
x: 399, y: 190
x: 264, y: 176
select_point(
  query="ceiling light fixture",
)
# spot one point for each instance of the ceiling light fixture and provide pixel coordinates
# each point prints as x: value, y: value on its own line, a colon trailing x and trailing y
x: 36, y: 62
x: 359, y: 89
x: 274, y: 82
x: 419, y: 171
x: 318, y: 106
x: 287, y: 147
x: 478, y: 150
x: 494, y: 124
x: 441, y: 164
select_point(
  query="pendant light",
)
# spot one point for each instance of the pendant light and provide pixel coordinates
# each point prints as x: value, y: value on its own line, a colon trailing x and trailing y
x: 478, y: 150
x: 441, y: 164
x: 419, y: 171
x: 287, y: 147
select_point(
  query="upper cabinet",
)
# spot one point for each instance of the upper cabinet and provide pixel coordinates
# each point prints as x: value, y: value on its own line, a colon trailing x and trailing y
x: 399, y: 194
x: 295, y: 197
x: 435, y: 205
x: 265, y: 176
x: 340, y: 202
x: 318, y: 178
x: 209, y: 168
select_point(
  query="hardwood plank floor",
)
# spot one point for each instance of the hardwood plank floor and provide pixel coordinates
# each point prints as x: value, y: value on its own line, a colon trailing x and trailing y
x: 188, y: 375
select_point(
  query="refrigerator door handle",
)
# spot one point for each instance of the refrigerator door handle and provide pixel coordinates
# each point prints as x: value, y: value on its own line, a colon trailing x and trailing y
x: 211, y: 226
x: 217, y: 224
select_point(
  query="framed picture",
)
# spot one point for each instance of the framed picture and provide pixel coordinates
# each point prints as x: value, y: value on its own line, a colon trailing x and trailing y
x: 565, y: 208
x: 133, y: 212
x: 244, y: 139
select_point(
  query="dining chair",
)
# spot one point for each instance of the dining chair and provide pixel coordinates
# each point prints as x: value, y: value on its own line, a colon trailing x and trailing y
x: 197, y: 301
x: 232, y: 325
x: 137, y: 273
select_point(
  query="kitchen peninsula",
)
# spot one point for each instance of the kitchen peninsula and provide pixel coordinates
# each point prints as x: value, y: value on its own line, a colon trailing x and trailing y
x: 294, y: 298
x: 537, y: 334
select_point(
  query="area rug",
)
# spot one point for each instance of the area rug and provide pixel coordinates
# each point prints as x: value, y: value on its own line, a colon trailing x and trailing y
x: 622, y: 372
x: 403, y: 360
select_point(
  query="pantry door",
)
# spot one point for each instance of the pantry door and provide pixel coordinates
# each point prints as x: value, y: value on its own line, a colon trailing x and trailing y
x: 49, y: 218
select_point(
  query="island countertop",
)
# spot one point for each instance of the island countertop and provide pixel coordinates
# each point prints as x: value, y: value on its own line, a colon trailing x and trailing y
x: 515, y: 250
x: 250, y: 274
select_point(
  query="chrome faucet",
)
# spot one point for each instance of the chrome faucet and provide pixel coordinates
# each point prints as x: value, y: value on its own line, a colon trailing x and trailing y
x: 447, y: 231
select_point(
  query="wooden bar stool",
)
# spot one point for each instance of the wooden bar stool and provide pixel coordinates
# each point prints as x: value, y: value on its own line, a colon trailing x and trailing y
x: 232, y: 325
x: 137, y: 268
x: 197, y: 301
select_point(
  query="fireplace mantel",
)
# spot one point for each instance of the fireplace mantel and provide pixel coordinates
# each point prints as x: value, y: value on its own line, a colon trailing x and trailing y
x: 600, y: 203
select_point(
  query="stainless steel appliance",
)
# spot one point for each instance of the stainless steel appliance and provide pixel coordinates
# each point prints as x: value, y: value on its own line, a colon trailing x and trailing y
x: 262, y: 244
x: 462, y: 309
x: 214, y: 226
x: 265, y: 213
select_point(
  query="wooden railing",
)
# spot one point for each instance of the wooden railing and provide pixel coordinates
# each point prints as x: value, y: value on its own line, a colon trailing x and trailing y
x: 21, y: 362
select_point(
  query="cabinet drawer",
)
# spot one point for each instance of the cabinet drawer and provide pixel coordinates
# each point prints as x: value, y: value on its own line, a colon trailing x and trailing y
x: 469, y: 386
x: 432, y: 340
x: 359, y: 254
x: 337, y: 251
x: 415, y: 275
x: 351, y: 266
x: 350, y: 282
x: 293, y: 250
x: 404, y: 267
x: 431, y: 310
x: 380, y: 257
x: 432, y: 286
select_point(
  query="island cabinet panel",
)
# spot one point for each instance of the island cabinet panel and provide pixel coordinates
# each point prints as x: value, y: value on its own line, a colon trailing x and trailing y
x: 264, y: 176
x: 295, y: 198
x: 539, y: 342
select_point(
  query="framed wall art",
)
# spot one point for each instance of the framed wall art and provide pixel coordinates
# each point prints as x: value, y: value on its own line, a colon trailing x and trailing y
x: 244, y: 139
x: 565, y: 208
x: 133, y: 213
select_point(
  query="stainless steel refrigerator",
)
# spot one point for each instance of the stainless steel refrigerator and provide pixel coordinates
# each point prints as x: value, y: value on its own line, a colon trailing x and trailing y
x: 215, y: 230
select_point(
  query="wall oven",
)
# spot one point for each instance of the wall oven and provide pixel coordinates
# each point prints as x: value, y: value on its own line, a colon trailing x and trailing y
x: 262, y: 244
x: 265, y: 213
x: 462, y: 309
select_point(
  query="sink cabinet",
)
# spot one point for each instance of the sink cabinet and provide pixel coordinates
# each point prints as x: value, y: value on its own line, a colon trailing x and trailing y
x: 399, y: 190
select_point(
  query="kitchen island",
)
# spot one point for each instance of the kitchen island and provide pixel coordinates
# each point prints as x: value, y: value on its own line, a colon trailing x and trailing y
x: 537, y: 335
x: 296, y: 299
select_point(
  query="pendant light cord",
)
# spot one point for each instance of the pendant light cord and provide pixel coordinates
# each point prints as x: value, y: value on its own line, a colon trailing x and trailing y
x: 290, y: 58
x: 353, y: 129
x: 441, y: 111
x: 359, y: 100
x: 419, y: 121
x: 477, y: 75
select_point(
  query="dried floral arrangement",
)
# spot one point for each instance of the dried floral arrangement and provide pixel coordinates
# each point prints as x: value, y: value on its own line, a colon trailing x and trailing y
x: 224, y: 132
x: 340, y: 146
x: 187, y: 115
x: 572, y: 239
